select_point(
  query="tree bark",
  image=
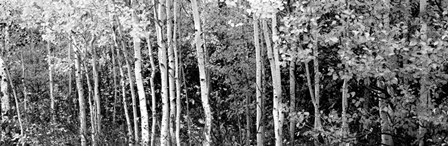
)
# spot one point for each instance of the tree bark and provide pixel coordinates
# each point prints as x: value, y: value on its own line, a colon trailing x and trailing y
x: 93, y: 123
x: 317, y: 120
x: 292, y: 94
x: 345, y: 129
x: 114, y: 77
x: 140, y: 88
x: 201, y: 55
x: 125, y: 105
x: 171, y: 69
x: 386, y: 129
x: 81, y: 100
x: 276, y: 79
x: 96, y: 88
x: 162, y: 53
x: 50, y: 73
x: 133, y: 97
x: 424, y: 91
x: 19, y: 115
x: 153, y: 93
x: 177, y: 59
x: 248, y: 121
x: 259, y: 84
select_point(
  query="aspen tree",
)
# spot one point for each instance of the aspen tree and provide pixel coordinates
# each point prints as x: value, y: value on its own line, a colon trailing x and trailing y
x: 258, y: 84
x: 139, y: 80
x: 203, y: 80
x: 163, y: 64
x: 171, y: 68
x: 50, y: 76
x: 292, y: 94
x: 81, y: 100
x: 177, y: 59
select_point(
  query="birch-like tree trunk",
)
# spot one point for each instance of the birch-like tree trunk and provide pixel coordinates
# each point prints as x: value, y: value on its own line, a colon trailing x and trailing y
x: 81, y: 100
x: 16, y: 101
x: 115, y: 92
x: 93, y: 123
x: 276, y: 79
x: 201, y: 55
x: 141, y: 90
x: 153, y: 73
x: 131, y: 86
x: 259, y: 84
x: 4, y: 82
x: 96, y: 88
x: 163, y: 62
x: 153, y: 93
x: 384, y: 110
x: 177, y: 59
x: 424, y: 90
x: 292, y: 94
x: 248, y: 120
x: 171, y: 67
x: 125, y: 104
x: 317, y: 119
x: 345, y: 129
x: 50, y: 76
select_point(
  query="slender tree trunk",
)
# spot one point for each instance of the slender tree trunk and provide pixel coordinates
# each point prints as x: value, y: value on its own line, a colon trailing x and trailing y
x: 69, y: 56
x: 140, y: 88
x: 171, y: 69
x: 4, y: 83
x: 248, y: 121
x: 153, y: 93
x: 93, y: 123
x: 162, y: 53
x: 96, y: 90
x: 19, y: 116
x: 187, y: 112
x: 81, y: 100
x: 386, y: 137
x: 133, y: 97
x: 115, y: 92
x: 201, y: 55
x: 125, y: 105
x: 317, y: 120
x: 276, y: 79
x: 345, y: 129
x: 50, y: 73
x: 25, y: 97
x: 259, y: 84
x: 292, y: 94
x: 153, y: 70
x: 424, y: 91
x: 177, y: 59
x: 386, y: 130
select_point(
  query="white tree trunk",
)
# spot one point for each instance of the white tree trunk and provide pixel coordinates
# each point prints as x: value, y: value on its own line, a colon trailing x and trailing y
x: 131, y: 86
x: 153, y: 93
x: 171, y: 67
x: 292, y: 94
x: 81, y: 100
x: 259, y: 84
x: 177, y: 59
x: 276, y: 79
x: 201, y: 55
x: 141, y: 92
x: 50, y: 73
x: 91, y: 107
x: 165, y: 135
x: 125, y: 104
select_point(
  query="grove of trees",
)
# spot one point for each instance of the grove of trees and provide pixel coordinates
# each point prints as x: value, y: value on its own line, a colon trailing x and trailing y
x: 224, y: 72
